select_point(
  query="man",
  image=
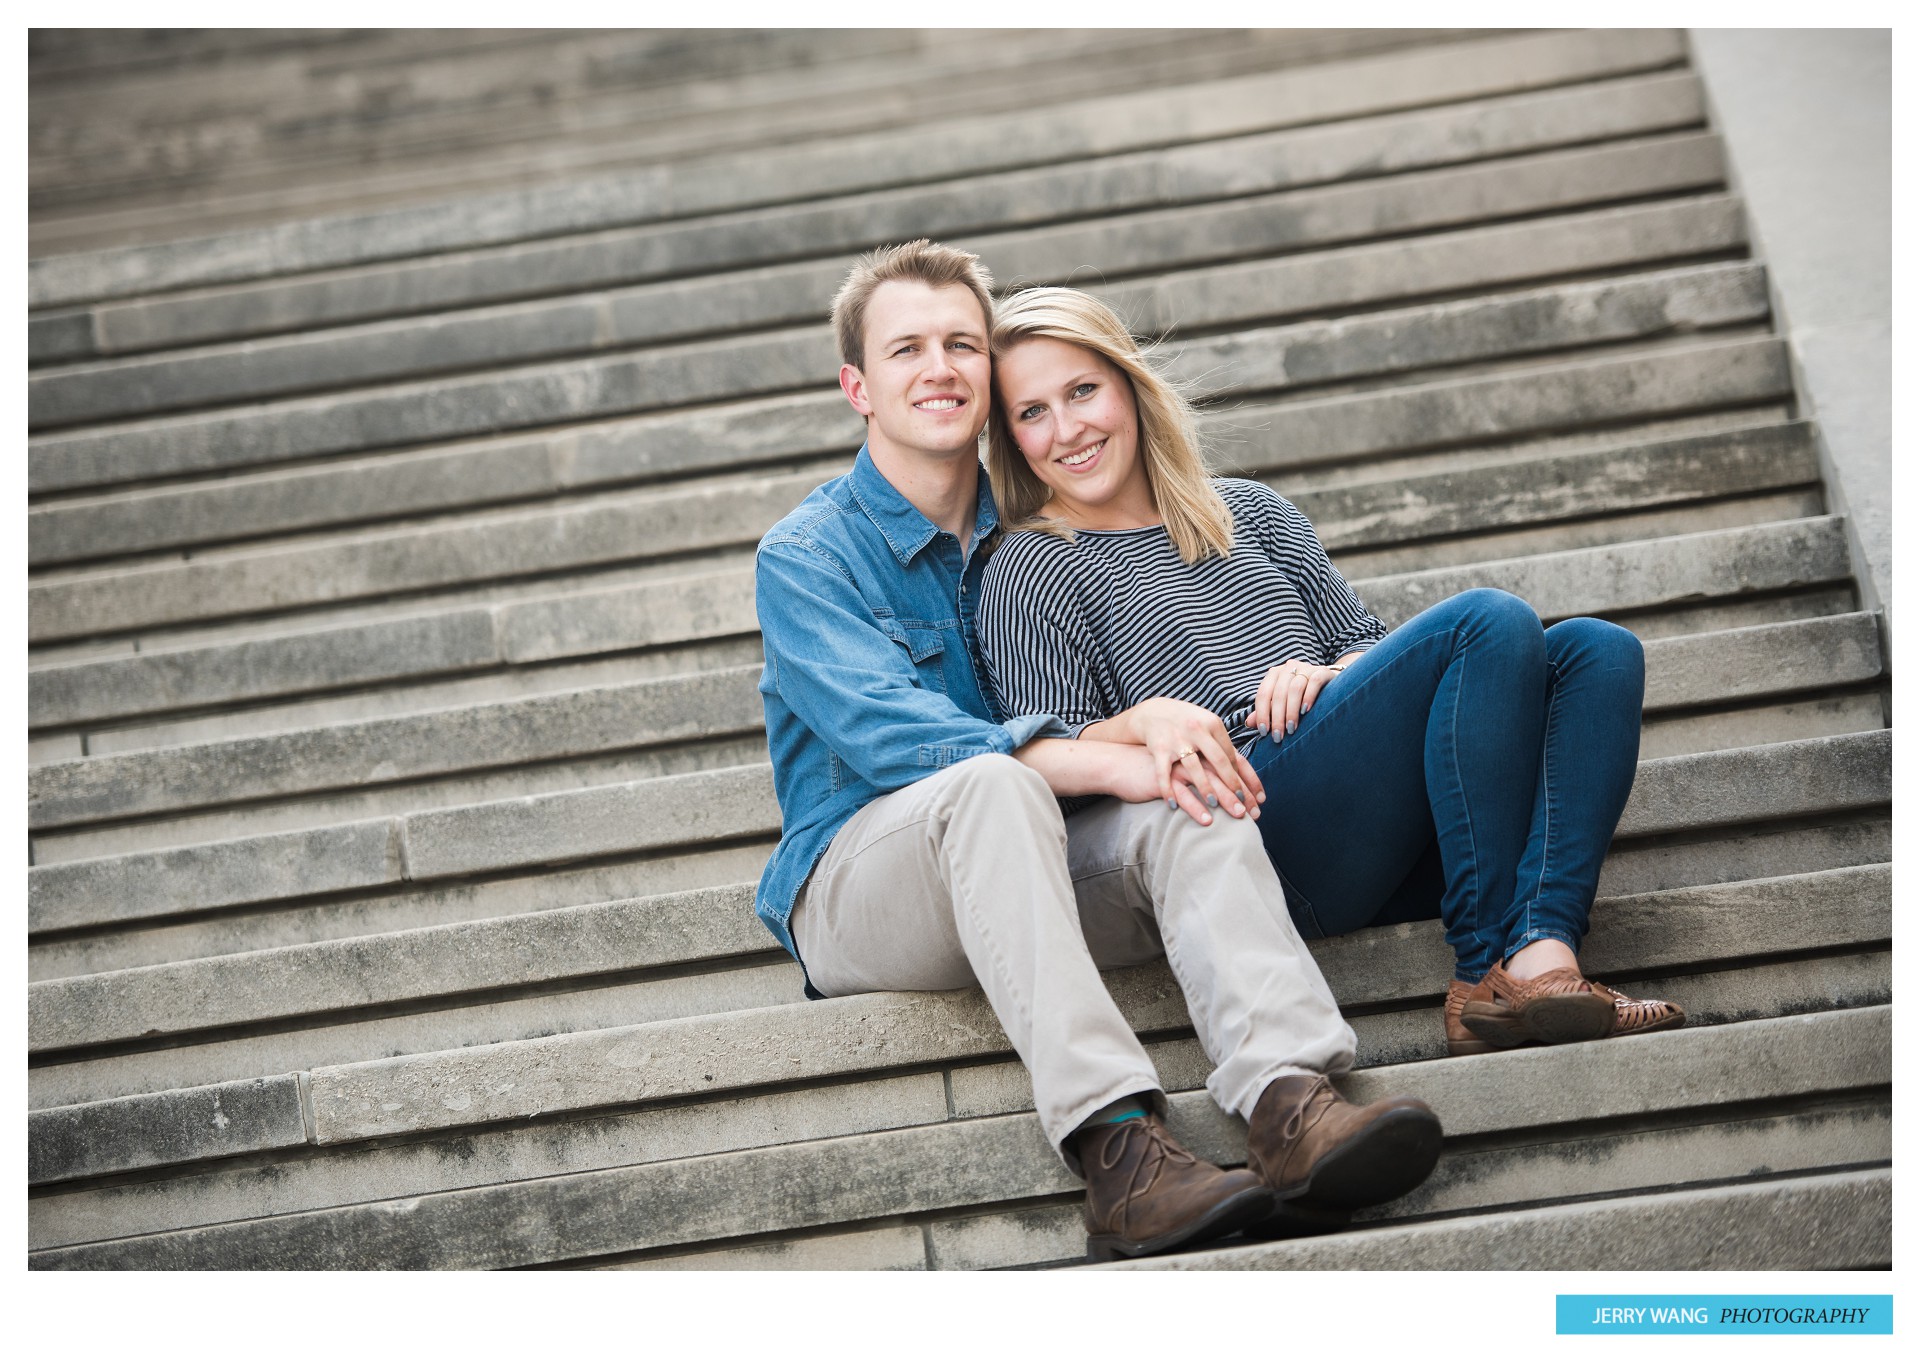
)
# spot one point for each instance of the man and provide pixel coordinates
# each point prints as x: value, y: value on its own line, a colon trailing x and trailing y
x: 924, y: 848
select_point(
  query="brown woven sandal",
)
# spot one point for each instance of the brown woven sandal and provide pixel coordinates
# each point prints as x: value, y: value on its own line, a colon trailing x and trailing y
x: 1556, y: 1006
x: 1459, y: 1040
x: 1633, y: 1016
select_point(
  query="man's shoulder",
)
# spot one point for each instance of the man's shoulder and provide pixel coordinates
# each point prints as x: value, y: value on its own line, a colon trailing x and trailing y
x: 820, y: 520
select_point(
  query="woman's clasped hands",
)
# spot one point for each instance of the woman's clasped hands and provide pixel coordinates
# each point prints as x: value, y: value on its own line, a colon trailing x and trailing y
x: 1194, y: 757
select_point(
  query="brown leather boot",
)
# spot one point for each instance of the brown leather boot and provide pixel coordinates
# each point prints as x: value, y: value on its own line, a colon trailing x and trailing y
x: 1146, y: 1194
x: 1555, y: 1006
x: 1319, y: 1151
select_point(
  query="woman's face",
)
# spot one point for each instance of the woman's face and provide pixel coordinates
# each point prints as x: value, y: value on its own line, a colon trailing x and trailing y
x: 1071, y: 412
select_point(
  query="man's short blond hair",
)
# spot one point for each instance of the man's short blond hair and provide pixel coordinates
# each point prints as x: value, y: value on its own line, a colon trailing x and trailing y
x: 921, y: 260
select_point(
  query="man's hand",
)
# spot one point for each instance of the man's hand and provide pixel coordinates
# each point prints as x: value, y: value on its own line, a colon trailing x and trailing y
x: 1192, y: 755
x: 1077, y: 767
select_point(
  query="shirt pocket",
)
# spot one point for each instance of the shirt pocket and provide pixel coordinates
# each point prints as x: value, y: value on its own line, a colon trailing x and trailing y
x: 925, y: 647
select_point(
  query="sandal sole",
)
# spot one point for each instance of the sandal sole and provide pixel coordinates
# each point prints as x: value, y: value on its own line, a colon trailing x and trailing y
x: 1553, y: 1019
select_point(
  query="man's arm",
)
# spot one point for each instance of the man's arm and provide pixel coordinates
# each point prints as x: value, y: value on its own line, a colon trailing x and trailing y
x: 853, y: 685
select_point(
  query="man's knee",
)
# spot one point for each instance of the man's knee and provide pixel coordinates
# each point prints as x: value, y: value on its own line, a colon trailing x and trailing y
x: 999, y: 786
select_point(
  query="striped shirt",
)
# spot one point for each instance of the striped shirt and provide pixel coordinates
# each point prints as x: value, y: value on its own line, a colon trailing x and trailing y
x: 1088, y: 627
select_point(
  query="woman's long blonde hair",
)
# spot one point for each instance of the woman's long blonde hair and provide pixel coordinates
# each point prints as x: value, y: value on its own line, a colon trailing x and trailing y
x: 1197, y: 520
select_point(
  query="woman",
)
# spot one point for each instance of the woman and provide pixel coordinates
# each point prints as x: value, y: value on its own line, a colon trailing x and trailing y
x: 1466, y: 765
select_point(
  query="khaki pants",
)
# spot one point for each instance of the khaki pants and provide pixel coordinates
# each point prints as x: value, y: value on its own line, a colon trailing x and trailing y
x: 970, y: 877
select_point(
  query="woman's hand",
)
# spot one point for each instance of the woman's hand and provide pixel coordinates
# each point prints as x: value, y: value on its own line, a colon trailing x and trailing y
x: 1137, y: 778
x: 1287, y: 692
x: 1195, y: 762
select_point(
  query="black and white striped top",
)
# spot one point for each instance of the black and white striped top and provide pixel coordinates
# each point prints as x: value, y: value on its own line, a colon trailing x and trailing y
x: 1088, y: 627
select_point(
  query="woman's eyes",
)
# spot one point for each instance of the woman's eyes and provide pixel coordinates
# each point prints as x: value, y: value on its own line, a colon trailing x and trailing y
x: 1079, y: 391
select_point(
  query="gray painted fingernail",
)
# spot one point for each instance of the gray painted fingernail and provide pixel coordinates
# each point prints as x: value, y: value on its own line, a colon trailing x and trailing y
x: 1172, y: 805
x: 1291, y: 724
x: 1240, y: 793
x: 1212, y: 801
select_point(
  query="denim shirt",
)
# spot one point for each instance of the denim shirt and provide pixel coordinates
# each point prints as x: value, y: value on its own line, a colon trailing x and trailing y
x: 866, y: 613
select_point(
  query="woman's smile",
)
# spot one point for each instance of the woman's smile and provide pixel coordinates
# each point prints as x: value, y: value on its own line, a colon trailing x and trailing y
x: 1073, y: 415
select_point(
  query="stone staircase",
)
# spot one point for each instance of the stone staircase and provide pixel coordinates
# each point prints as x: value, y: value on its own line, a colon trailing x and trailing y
x: 398, y: 779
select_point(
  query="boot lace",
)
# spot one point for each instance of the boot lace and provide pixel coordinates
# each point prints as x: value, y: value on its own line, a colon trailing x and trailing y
x: 1294, y: 1124
x: 1160, y: 1150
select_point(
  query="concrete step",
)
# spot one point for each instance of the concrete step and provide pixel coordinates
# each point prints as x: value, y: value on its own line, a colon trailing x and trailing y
x: 1843, y: 1221
x: 652, y: 523
x: 452, y: 406
x: 1180, y: 235
x: 989, y: 1160
x: 284, y: 170
x: 1825, y: 775
x: 283, y: 119
x: 1657, y: 863
x: 261, y: 505
x: 137, y: 1135
x: 999, y: 142
x: 1764, y: 661
x: 622, y: 936
x: 762, y: 977
x: 1642, y: 575
x: 1392, y: 519
x: 1288, y: 160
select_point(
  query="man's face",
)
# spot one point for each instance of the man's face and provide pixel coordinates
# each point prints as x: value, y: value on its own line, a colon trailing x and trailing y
x: 926, y: 381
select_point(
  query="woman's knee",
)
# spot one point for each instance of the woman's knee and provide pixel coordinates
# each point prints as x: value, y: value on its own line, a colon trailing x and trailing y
x: 1490, y: 615
x: 1599, y: 645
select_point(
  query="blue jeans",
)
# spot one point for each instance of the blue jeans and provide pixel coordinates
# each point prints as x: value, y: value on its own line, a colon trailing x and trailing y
x: 1470, y: 766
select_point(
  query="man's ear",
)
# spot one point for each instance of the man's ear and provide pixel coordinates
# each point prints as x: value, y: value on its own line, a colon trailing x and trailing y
x: 854, y: 386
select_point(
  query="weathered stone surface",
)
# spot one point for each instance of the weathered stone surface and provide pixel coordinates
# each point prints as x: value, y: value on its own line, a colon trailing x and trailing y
x: 214, y: 935
x: 1287, y: 159
x: 614, y: 451
x: 549, y: 329
x: 627, y: 818
x: 1742, y: 663
x: 546, y: 539
x: 1471, y: 1176
x: 992, y: 143
x: 510, y: 732
x: 550, y: 539
x: 1558, y: 487
x: 529, y: 1150
x: 123, y: 1134
x: 350, y: 973
x: 1826, y: 774
x: 154, y: 682
x: 870, y: 1032
x: 1682, y: 671
x: 60, y: 337
x: 206, y: 877
x: 1772, y: 989
x: 1295, y: 433
x: 712, y: 606
x: 239, y: 821
x: 960, y: 1163
x: 1356, y: 274
x: 1628, y: 576
x: 1239, y: 292
x: 131, y: 1069
x: 1840, y: 1221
